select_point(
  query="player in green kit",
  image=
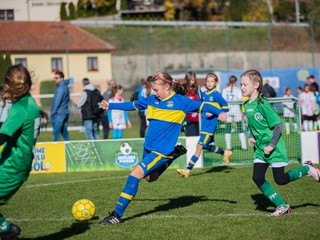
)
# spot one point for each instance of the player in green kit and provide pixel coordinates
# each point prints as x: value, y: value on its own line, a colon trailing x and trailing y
x: 269, y: 148
x: 18, y: 134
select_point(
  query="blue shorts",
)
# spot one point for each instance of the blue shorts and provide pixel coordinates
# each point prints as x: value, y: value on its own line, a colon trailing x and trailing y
x: 154, y: 161
x: 205, y: 139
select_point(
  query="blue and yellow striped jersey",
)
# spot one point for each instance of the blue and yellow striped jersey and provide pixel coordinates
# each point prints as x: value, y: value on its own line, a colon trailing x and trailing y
x: 209, y: 124
x: 165, y: 118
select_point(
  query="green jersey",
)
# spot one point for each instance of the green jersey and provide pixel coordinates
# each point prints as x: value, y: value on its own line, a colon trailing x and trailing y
x: 22, y: 126
x: 261, y: 119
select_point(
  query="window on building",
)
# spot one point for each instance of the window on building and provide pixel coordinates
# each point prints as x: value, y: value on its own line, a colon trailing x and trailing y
x: 22, y: 61
x: 6, y: 15
x: 56, y: 64
x: 92, y: 64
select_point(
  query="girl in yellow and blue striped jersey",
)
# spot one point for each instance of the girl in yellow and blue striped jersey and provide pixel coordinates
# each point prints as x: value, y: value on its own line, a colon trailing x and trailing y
x: 166, y: 112
x: 209, y: 124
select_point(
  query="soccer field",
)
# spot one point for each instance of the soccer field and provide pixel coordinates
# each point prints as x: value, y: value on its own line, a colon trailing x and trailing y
x: 219, y: 202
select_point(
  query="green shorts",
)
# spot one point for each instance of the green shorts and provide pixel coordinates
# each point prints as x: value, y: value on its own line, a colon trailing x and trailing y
x: 8, y: 186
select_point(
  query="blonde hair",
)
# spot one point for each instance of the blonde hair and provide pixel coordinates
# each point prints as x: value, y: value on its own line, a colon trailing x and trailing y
x: 255, y: 76
x: 18, y: 83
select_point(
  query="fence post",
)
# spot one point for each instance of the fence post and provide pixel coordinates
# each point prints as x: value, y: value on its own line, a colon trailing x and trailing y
x: 312, y: 42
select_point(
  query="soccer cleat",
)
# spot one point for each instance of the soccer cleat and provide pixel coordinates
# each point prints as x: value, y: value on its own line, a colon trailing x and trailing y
x: 183, y: 172
x: 227, y: 154
x: 280, y: 211
x: 178, y: 151
x: 113, y: 218
x: 313, y: 170
x: 13, y: 232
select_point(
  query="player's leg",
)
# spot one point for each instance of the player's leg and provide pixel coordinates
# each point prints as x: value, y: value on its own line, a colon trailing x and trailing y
x: 9, y: 186
x: 227, y: 136
x: 242, y: 136
x: 203, y: 139
x: 126, y: 196
x: 287, y: 125
x: 259, y: 171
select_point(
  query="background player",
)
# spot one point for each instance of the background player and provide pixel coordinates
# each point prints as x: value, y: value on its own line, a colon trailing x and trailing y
x: 233, y: 93
x: 209, y: 124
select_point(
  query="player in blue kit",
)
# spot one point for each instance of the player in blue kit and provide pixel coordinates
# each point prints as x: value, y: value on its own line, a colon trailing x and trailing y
x: 166, y: 112
x: 209, y: 124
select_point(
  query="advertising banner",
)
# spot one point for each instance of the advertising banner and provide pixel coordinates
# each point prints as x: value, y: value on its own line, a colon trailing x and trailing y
x: 109, y: 155
x: 49, y: 158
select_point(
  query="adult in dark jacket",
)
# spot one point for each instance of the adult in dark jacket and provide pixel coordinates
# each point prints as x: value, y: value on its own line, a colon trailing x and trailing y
x: 267, y: 90
x: 59, y: 109
x: 89, y: 117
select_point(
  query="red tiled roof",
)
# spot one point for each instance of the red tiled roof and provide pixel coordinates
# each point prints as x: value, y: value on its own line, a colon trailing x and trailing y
x: 48, y: 37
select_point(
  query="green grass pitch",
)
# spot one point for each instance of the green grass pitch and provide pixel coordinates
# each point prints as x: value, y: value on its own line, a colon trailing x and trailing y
x: 216, y: 202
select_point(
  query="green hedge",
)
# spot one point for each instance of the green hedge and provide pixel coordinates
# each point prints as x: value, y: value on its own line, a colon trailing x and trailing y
x: 47, y: 87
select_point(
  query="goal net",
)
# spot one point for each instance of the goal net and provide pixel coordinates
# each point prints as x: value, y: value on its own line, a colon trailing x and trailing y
x: 234, y: 135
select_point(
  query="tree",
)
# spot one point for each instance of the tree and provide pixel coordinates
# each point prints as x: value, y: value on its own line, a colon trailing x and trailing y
x: 236, y: 10
x: 170, y: 12
x: 63, y: 11
x: 72, y: 11
x: 81, y: 8
x: 104, y: 7
x: 313, y: 10
x: 258, y: 11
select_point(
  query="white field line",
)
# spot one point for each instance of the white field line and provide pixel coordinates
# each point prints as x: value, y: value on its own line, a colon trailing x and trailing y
x: 154, y: 216
x: 71, y: 182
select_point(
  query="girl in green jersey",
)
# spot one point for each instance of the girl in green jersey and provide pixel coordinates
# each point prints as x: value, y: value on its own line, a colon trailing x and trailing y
x: 18, y: 136
x: 269, y: 148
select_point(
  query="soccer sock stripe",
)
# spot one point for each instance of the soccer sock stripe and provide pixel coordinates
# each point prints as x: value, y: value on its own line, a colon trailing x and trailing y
x: 127, y: 194
x: 192, y: 162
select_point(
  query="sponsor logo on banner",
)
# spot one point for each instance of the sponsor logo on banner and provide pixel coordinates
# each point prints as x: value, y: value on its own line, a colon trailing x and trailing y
x: 39, y: 163
x: 126, y: 157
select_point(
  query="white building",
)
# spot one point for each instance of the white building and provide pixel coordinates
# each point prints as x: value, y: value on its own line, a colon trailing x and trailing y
x: 31, y: 10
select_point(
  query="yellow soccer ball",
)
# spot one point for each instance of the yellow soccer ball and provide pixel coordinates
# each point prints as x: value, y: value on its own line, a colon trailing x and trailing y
x: 83, y: 210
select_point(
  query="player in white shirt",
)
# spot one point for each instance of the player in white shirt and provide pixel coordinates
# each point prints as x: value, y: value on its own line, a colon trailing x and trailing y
x: 306, y: 99
x: 289, y: 112
x: 233, y: 93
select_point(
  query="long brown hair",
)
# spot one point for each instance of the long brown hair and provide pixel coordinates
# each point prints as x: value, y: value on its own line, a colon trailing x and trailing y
x: 17, y: 81
x: 163, y: 78
x: 255, y: 76
x: 189, y: 77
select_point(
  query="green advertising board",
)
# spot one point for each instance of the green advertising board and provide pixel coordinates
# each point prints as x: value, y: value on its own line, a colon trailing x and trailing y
x: 104, y: 155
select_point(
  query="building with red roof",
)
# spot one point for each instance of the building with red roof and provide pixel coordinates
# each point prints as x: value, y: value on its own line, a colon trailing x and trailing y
x: 45, y: 47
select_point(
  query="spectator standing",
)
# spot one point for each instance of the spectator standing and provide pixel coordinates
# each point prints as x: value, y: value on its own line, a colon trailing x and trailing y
x: 233, y: 93
x: 267, y: 90
x: 59, y: 109
x: 90, y: 112
x: 311, y: 81
x: 4, y: 107
x: 106, y: 96
x: 306, y: 99
x: 191, y: 123
x: 117, y: 118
